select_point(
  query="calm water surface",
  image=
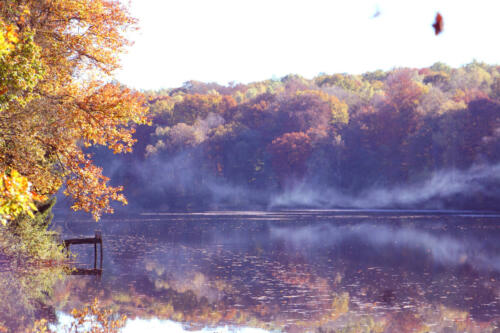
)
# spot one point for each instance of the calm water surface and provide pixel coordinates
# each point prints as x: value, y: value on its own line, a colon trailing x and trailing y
x: 295, y: 271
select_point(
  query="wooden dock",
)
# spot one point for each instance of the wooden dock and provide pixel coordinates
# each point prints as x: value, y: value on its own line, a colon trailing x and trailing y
x: 94, y: 240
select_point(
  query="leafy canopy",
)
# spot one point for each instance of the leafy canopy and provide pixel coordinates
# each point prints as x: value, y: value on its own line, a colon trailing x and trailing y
x: 57, y: 95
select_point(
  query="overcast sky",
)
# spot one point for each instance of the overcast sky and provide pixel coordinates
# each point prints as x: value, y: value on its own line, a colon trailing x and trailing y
x: 245, y: 41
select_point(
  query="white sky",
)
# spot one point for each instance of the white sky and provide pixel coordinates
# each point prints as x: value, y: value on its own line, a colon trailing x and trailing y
x: 245, y: 41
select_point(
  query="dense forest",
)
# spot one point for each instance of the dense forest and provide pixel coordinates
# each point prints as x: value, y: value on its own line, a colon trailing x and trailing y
x: 405, y: 138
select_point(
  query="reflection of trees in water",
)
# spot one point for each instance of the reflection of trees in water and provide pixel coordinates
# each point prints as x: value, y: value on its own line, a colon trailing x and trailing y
x: 235, y: 273
x: 255, y: 291
x: 27, y: 296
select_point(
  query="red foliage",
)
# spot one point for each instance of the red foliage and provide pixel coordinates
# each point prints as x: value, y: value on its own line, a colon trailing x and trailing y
x: 402, y: 92
x: 469, y: 95
x: 290, y: 153
x: 303, y: 111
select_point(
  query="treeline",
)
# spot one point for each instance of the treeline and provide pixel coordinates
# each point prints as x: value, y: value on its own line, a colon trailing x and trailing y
x: 240, y: 145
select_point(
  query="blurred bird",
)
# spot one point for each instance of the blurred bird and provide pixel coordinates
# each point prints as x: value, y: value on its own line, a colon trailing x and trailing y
x: 438, y: 24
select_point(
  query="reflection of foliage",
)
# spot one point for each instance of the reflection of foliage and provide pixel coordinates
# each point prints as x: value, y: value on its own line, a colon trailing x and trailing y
x: 26, y: 296
x: 340, y: 305
x: 365, y: 324
x: 184, y: 295
x: 35, y: 263
x: 91, y: 318
x: 300, y: 290
x: 195, y: 297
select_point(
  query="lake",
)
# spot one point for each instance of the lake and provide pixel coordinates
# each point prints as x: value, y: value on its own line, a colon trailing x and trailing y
x: 284, y: 271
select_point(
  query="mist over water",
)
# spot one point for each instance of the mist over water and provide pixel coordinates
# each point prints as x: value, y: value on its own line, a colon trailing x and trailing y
x: 181, y: 176
x: 430, y: 193
x: 179, y: 182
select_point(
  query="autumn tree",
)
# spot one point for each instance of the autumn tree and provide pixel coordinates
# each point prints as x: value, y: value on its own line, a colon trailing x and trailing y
x: 67, y: 101
x: 197, y: 106
x: 290, y: 153
x: 399, y: 117
x: 20, y: 70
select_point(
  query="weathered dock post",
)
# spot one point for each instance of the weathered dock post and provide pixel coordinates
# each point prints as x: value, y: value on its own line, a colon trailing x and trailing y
x: 97, y: 239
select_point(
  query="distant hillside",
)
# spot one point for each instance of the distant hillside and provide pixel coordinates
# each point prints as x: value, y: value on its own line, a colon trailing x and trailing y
x: 415, y: 138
